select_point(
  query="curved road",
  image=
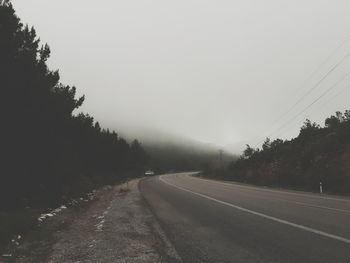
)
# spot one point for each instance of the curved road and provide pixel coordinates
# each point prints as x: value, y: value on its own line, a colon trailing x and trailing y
x: 215, y: 221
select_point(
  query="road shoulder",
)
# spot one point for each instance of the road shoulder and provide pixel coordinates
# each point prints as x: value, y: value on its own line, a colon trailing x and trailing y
x: 118, y: 227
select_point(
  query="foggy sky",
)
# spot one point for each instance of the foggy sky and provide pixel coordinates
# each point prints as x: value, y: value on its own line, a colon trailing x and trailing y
x: 220, y: 72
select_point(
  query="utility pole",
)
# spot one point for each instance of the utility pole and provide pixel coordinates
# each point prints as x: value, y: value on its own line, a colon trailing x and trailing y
x: 220, y: 157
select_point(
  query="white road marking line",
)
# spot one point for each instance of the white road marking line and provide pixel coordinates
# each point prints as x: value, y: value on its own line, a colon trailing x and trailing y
x: 301, y: 203
x: 309, y: 229
x: 274, y: 191
x: 315, y: 206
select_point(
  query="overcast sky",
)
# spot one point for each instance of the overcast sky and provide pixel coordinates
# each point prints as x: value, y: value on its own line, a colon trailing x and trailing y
x: 221, y: 72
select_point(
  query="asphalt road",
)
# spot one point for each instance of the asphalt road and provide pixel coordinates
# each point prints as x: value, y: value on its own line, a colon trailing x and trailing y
x: 214, y: 221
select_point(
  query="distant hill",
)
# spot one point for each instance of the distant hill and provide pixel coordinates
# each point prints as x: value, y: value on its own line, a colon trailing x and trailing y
x: 169, y: 152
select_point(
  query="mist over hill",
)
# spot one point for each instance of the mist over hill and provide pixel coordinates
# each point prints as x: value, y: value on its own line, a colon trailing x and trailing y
x: 172, y: 152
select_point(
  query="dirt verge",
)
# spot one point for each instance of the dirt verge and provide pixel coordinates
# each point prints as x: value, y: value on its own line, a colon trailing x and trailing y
x: 116, y: 227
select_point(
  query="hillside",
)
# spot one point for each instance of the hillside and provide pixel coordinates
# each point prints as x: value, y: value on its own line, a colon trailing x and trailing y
x: 172, y: 152
x: 318, y: 154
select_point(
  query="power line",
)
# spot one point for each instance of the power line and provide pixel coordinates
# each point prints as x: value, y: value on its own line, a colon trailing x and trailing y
x: 310, y: 76
x: 328, y: 58
x: 313, y: 73
x: 335, y: 95
x: 315, y: 101
x: 310, y: 91
x: 326, y: 102
x: 315, y: 86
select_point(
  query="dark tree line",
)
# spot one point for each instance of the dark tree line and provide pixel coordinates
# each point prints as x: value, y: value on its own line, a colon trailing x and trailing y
x: 173, y: 158
x: 47, y: 152
x: 318, y: 154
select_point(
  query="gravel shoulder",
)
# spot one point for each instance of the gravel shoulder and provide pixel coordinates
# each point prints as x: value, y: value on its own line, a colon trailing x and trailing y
x: 117, y: 227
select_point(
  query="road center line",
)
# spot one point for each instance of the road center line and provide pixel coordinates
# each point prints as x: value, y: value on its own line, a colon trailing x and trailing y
x: 313, y: 206
x: 252, y: 188
x: 309, y: 229
x: 291, y: 201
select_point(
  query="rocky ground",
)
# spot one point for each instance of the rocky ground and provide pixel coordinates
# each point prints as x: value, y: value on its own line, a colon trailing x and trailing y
x: 116, y: 227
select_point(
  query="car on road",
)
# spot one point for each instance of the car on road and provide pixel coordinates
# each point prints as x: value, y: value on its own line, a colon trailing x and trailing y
x: 149, y: 173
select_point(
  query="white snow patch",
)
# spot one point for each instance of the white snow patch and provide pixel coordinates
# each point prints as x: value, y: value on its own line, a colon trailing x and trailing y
x: 99, y: 226
x: 73, y: 202
x: 51, y: 213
